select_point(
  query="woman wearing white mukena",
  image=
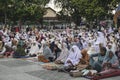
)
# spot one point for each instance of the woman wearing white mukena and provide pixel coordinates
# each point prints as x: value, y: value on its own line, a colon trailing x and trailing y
x: 34, y: 48
x: 63, y: 55
x: 74, y: 56
x: 72, y: 60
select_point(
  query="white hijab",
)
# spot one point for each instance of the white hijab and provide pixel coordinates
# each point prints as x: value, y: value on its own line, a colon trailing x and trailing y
x: 74, y: 56
x: 64, y: 54
x: 34, y: 48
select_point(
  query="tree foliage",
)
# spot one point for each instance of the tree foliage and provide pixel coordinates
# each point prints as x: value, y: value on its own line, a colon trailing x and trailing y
x: 89, y: 9
x: 24, y: 10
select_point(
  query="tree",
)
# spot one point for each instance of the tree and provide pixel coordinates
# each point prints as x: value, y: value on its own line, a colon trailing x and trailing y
x: 92, y: 10
x: 4, y: 5
x: 23, y: 10
x: 69, y: 9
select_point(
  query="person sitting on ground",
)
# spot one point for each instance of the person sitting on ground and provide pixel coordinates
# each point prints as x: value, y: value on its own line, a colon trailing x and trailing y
x: 90, y: 49
x: 118, y: 53
x: 19, y: 52
x: 85, y: 57
x: 63, y: 55
x: 56, y: 51
x: 14, y: 44
x: 84, y: 61
x: 9, y: 52
x: 110, y: 65
x: 47, y: 53
x: 109, y: 46
x: 97, y: 65
x: 34, y: 49
x: 2, y: 48
x: 72, y: 60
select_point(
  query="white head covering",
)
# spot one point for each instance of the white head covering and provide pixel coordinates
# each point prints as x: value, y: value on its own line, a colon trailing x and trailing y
x: 43, y: 41
x: 64, y: 45
x: 76, y: 49
x: 64, y: 54
x: 74, y: 56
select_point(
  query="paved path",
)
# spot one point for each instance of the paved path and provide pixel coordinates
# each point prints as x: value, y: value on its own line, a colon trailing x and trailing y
x: 16, y: 69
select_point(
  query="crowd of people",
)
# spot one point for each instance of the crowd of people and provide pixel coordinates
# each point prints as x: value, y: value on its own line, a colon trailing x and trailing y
x: 97, y: 49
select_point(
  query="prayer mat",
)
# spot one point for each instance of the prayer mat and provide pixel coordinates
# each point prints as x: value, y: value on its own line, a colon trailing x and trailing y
x: 113, y: 74
x: 75, y: 73
x: 81, y: 67
x: 41, y: 58
x: 51, y: 66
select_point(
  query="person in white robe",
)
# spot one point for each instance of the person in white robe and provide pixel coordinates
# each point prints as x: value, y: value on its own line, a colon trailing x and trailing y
x: 85, y: 44
x: 6, y: 38
x: 34, y: 48
x: 63, y: 55
x: 17, y: 35
x: 101, y: 38
x: 74, y: 56
x: 90, y: 49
